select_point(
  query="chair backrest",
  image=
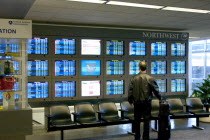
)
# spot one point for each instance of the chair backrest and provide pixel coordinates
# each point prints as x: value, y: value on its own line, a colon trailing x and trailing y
x: 175, y: 105
x: 85, y: 112
x: 194, y: 103
x: 155, y: 106
x: 60, y: 113
x: 129, y: 109
x: 109, y: 110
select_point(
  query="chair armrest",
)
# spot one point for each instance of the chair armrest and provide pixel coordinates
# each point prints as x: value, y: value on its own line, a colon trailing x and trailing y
x: 48, y: 116
x: 122, y: 113
x: 187, y: 107
x: 99, y: 114
x: 75, y: 116
x: 206, y: 105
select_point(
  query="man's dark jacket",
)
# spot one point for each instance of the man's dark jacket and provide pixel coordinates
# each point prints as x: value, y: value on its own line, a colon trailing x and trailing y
x: 141, y: 88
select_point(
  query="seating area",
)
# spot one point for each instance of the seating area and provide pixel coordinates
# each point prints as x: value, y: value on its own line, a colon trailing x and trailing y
x: 59, y: 117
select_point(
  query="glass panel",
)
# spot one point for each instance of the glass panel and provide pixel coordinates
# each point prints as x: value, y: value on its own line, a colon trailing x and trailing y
x: 197, y: 65
x: 207, y: 64
x: 198, y: 45
x: 196, y: 82
x: 208, y: 44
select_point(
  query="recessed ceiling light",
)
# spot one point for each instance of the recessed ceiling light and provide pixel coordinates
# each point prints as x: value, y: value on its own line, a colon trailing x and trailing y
x: 134, y: 4
x: 186, y: 10
x: 89, y: 1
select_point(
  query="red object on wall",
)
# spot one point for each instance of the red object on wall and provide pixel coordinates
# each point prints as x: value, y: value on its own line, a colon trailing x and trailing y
x: 7, y: 83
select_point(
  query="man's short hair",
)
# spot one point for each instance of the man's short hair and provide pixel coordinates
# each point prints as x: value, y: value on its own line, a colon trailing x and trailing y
x: 143, y: 65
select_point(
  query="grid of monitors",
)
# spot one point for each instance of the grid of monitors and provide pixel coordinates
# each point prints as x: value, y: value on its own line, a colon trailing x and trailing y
x: 158, y: 67
x: 162, y: 85
x: 178, y: 49
x: 90, y: 47
x: 137, y: 48
x: 90, y: 88
x: 65, y: 89
x: 38, y: 45
x: 114, y: 87
x: 38, y: 90
x: 178, y: 67
x: 90, y: 67
x: 65, y: 67
x: 65, y: 46
x: 38, y: 68
x: 115, y: 47
x: 11, y: 48
x: 115, y: 67
x: 158, y: 48
x: 134, y: 66
x: 178, y: 85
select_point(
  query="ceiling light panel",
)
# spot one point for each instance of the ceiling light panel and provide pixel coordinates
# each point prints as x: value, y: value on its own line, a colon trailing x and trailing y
x: 186, y: 10
x: 134, y: 4
x: 89, y: 1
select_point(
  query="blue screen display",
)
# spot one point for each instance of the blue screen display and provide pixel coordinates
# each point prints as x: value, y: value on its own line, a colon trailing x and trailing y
x: 1, y: 96
x: 65, y: 89
x: 158, y: 48
x: 38, y: 90
x: 115, y: 67
x: 137, y: 48
x: 90, y: 67
x: 114, y: 87
x: 65, y: 46
x: 161, y: 84
x: 38, y: 68
x: 178, y: 67
x: 38, y: 45
x: 65, y: 67
x: 114, y: 47
x: 178, y: 85
x: 9, y: 48
x: 158, y: 67
x: 134, y: 66
x: 178, y: 49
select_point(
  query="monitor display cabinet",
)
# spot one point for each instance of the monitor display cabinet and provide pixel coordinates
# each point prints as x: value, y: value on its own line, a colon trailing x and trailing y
x: 65, y: 67
x: 178, y: 85
x: 158, y: 67
x: 133, y: 66
x: 90, y: 89
x: 162, y: 83
x: 158, y: 48
x: 136, y: 48
x: 178, y: 67
x: 115, y: 87
x: 114, y: 47
x: 39, y: 90
x: 65, y: 89
x: 178, y: 49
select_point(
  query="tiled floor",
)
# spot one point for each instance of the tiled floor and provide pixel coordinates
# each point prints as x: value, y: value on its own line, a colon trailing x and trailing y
x: 181, y: 130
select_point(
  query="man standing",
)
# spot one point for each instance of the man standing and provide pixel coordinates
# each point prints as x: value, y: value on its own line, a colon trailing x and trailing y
x: 140, y: 94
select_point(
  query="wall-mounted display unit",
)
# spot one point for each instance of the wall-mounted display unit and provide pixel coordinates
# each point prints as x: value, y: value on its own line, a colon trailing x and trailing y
x: 158, y: 67
x: 38, y: 45
x: 134, y: 66
x: 38, y: 67
x: 65, y: 89
x: 114, y: 47
x: 90, y: 47
x: 90, y: 88
x: 158, y: 48
x: 178, y: 85
x: 65, y: 67
x: 162, y: 84
x: 178, y: 49
x: 38, y: 90
x: 65, y: 46
x: 137, y: 48
x: 115, y: 67
x: 115, y: 87
x: 90, y: 67
x: 178, y: 67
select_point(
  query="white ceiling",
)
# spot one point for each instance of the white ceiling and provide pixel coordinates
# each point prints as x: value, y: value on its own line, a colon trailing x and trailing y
x: 64, y: 12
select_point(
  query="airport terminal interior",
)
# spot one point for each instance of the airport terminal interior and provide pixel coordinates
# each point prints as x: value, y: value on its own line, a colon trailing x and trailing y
x: 68, y: 52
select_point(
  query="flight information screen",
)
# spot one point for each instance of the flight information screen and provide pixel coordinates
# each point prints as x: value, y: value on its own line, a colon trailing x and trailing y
x: 38, y: 45
x: 90, y: 47
x: 65, y: 88
x: 158, y: 67
x: 158, y: 48
x: 65, y: 67
x: 178, y: 67
x: 161, y: 84
x: 65, y: 46
x: 178, y: 49
x: 114, y: 87
x: 90, y: 88
x: 115, y: 67
x: 90, y: 67
x: 134, y: 66
x: 114, y: 47
x: 38, y: 90
x: 178, y: 85
x: 38, y: 68
x: 137, y: 48
x: 9, y: 48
